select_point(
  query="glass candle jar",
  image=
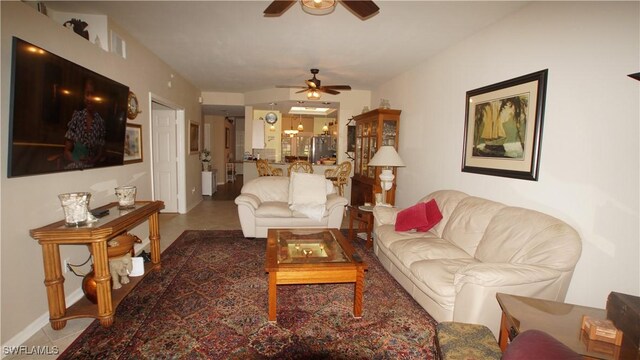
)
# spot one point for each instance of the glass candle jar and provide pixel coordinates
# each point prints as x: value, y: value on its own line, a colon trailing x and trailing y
x: 76, y: 208
x: 126, y: 197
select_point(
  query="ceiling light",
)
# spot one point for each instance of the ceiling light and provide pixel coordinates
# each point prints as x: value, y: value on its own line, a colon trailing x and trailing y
x: 325, y: 128
x: 300, y: 127
x: 313, y: 94
x: 318, y: 7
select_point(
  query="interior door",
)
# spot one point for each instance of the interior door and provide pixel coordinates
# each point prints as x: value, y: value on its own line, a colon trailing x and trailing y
x: 165, y: 159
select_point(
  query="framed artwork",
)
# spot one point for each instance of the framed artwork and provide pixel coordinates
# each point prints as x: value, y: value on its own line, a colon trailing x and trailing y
x: 133, y: 144
x: 503, y: 127
x: 194, y: 138
x: 226, y: 137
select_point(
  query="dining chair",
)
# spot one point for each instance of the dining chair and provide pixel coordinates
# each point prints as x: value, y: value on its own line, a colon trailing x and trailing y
x: 264, y: 169
x: 339, y: 175
x: 300, y: 166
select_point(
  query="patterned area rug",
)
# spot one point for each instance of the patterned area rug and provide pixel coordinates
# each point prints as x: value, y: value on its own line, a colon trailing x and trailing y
x: 209, y: 301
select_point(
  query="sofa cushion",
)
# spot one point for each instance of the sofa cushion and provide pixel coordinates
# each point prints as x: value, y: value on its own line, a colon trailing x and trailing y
x: 386, y: 235
x: 268, y: 188
x: 522, y: 236
x: 271, y: 209
x: 412, y: 250
x: 469, y: 220
x: 447, y: 201
x: 436, y: 278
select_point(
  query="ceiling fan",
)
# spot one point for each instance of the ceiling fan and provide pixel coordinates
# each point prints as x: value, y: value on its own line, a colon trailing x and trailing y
x: 362, y: 8
x: 314, y: 87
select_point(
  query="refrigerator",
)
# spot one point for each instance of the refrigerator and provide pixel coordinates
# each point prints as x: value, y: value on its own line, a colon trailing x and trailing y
x: 322, y: 146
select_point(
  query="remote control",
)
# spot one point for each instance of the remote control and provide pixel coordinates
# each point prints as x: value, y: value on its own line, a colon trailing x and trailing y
x: 356, y: 257
x: 100, y: 213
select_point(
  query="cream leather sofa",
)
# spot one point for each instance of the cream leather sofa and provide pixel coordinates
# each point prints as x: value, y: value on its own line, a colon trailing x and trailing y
x: 479, y: 248
x: 263, y: 204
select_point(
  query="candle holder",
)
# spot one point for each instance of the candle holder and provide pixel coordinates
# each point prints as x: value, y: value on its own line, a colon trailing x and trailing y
x: 126, y: 197
x: 76, y: 208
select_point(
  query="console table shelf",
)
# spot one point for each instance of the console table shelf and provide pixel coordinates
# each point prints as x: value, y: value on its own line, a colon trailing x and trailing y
x: 96, y: 235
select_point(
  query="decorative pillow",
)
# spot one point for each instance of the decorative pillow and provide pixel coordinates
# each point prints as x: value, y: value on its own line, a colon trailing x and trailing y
x: 412, y: 218
x: 421, y: 216
x: 433, y: 215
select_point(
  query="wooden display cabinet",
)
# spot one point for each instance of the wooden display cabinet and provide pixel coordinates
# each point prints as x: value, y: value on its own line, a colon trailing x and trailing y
x: 96, y: 235
x: 373, y: 129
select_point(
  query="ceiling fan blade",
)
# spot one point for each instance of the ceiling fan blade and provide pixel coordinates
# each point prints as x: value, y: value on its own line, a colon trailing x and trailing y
x: 303, y: 90
x: 337, y: 87
x: 329, y: 91
x: 363, y: 8
x: 311, y: 84
x: 277, y: 7
x: 291, y: 87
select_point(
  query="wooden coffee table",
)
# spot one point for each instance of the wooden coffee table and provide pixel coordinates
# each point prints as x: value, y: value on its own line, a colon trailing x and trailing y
x: 312, y: 256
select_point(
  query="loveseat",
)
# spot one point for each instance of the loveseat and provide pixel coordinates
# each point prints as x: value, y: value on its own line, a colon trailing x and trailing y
x: 263, y: 203
x: 479, y: 248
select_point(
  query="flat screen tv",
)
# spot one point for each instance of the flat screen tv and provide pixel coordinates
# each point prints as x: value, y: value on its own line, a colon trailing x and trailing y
x: 63, y: 116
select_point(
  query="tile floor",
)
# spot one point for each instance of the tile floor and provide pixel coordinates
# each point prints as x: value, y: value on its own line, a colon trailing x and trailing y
x: 217, y: 212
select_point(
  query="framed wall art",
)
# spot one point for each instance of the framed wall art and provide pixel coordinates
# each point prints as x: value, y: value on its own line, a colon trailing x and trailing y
x: 194, y: 138
x: 503, y: 127
x: 133, y: 144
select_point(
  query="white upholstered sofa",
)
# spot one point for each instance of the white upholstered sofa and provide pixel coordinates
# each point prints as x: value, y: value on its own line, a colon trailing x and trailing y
x: 263, y: 203
x: 479, y: 248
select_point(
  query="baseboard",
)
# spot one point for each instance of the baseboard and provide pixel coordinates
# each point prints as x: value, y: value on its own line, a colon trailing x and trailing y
x: 39, y: 323
x: 43, y: 320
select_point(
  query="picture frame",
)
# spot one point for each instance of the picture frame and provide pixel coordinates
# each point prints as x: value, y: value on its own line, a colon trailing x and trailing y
x: 503, y: 127
x: 133, y: 144
x: 194, y: 138
x: 226, y: 138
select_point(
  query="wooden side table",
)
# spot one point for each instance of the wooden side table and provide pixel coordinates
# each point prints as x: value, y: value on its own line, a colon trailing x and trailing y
x: 364, y: 222
x: 96, y: 235
x: 560, y: 320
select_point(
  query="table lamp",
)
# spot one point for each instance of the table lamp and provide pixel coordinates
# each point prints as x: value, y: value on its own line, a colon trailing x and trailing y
x: 386, y: 157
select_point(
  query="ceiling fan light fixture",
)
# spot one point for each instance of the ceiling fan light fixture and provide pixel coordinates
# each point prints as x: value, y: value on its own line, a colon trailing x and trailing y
x: 318, y: 7
x: 313, y: 94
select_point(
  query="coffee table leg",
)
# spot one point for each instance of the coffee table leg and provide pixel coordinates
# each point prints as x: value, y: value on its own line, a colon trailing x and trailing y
x: 272, y: 296
x: 357, y: 293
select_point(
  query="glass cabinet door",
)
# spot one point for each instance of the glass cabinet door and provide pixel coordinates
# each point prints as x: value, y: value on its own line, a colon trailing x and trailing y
x: 389, y: 132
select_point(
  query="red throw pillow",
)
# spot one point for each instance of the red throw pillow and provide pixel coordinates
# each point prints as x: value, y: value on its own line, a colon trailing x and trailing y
x: 421, y: 216
x: 433, y: 215
x: 412, y: 218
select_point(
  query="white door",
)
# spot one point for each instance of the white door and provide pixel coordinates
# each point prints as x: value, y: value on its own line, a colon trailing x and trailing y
x: 165, y: 164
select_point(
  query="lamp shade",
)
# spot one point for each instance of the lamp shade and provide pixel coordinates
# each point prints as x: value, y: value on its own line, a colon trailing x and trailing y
x: 386, y: 156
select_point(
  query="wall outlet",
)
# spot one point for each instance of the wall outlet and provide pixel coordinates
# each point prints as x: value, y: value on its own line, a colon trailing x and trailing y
x: 65, y: 268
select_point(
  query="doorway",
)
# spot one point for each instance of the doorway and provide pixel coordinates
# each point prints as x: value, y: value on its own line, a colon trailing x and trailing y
x: 168, y: 154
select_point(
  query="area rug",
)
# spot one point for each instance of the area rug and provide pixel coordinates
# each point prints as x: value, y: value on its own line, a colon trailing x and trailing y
x: 209, y: 301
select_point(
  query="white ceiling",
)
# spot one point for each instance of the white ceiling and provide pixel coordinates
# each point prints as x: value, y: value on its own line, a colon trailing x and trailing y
x: 229, y: 46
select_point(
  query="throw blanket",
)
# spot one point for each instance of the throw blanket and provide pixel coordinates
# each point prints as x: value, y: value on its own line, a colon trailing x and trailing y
x: 308, y: 194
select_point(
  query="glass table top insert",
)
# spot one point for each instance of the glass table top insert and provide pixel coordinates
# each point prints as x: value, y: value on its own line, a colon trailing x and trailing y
x: 309, y: 246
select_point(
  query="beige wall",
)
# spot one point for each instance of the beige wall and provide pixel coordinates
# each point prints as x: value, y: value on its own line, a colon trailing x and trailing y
x: 30, y: 202
x: 589, y: 167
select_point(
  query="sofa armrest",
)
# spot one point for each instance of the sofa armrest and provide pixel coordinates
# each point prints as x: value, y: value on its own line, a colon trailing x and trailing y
x: 249, y: 200
x: 335, y: 200
x: 502, y: 274
x: 385, y: 215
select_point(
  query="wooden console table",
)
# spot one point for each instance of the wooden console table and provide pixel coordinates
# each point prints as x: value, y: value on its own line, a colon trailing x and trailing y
x: 96, y: 235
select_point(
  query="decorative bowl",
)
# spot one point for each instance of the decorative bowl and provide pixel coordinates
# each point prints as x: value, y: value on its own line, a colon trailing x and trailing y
x: 328, y: 162
x: 120, y: 245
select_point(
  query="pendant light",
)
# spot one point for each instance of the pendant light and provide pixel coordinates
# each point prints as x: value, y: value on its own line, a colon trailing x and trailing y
x: 291, y: 132
x: 300, y: 127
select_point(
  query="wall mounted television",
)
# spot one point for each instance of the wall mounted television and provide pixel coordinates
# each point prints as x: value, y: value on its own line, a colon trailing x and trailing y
x: 63, y: 116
